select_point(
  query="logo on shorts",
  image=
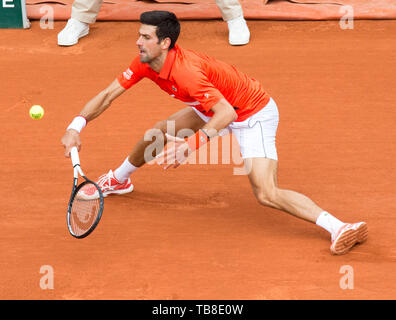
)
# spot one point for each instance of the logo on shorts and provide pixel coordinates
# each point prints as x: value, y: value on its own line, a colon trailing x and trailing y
x: 174, y: 88
x: 128, y: 74
x: 206, y: 95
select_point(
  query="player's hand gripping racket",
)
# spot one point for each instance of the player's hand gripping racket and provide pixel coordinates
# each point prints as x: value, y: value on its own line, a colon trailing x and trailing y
x: 86, y: 202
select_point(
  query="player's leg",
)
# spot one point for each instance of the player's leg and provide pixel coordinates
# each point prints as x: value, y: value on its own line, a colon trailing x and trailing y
x: 263, y: 179
x: 258, y: 148
x: 257, y: 143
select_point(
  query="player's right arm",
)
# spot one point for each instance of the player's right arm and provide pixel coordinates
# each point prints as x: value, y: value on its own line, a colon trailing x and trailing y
x: 91, y: 110
x: 102, y: 101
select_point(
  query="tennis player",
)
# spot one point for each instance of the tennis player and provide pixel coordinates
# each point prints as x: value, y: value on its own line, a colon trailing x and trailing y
x: 217, y: 96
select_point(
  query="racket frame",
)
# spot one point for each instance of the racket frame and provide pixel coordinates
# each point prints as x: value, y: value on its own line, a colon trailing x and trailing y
x: 76, y: 188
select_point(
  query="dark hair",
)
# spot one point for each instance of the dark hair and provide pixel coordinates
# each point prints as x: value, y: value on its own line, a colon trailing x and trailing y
x: 166, y: 22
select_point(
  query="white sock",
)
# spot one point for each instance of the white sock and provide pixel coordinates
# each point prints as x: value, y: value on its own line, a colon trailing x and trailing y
x: 328, y: 222
x: 123, y: 172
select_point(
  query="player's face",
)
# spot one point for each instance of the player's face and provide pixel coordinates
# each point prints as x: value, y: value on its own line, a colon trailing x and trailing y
x: 148, y: 44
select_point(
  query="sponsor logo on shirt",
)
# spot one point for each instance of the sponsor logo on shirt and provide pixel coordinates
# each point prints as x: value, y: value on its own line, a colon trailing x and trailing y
x: 128, y: 74
x: 206, y: 95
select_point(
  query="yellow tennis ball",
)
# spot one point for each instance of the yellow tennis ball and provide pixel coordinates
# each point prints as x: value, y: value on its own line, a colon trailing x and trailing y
x: 36, y: 112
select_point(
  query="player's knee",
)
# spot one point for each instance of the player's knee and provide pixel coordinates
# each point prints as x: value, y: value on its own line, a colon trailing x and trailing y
x: 267, y: 196
x: 160, y: 130
x: 161, y: 125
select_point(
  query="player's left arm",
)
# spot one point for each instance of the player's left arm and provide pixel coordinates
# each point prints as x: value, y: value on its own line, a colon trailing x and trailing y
x: 223, y: 115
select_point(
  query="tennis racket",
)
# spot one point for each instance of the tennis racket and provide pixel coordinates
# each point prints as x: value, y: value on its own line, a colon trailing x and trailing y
x: 86, y: 202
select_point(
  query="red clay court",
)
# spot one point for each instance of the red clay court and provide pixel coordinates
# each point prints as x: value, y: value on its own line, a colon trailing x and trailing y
x: 335, y: 90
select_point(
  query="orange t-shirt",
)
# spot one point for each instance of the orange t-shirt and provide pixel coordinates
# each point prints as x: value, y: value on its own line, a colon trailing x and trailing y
x: 201, y: 81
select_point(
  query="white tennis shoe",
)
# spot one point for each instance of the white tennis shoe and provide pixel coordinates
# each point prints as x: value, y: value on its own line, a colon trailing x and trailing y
x: 72, y: 32
x: 348, y: 235
x: 239, y: 33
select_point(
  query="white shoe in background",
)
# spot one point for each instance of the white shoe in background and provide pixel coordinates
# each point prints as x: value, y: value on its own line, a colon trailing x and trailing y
x: 239, y: 33
x: 72, y: 32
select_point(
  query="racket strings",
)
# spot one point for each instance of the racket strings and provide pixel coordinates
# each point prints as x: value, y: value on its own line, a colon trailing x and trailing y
x: 83, y: 212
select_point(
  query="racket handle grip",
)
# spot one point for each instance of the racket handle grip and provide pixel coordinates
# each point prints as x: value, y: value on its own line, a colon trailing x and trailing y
x: 74, y: 156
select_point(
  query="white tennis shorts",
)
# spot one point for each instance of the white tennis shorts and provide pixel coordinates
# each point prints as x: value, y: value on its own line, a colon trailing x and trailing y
x: 256, y: 135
